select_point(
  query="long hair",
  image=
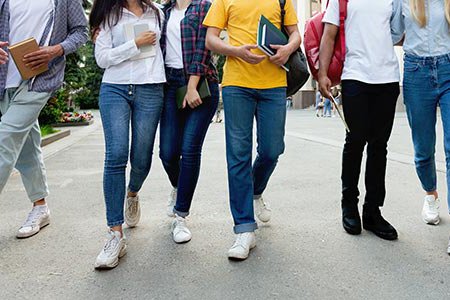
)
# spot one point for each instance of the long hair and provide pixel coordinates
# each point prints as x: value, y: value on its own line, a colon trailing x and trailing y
x: 109, y: 12
x: 419, y: 13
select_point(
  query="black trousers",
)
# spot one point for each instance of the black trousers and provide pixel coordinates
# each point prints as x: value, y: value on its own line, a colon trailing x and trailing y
x: 369, y: 110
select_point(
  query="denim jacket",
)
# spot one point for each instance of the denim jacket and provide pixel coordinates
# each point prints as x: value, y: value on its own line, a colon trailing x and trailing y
x: 68, y: 25
x: 431, y: 40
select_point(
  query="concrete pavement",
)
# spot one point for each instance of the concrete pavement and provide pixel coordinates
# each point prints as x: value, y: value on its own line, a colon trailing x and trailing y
x: 303, y: 253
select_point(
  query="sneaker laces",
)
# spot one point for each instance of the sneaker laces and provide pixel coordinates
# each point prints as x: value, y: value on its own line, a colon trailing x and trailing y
x: 132, y: 204
x: 111, y: 243
x: 33, y: 217
x: 181, y: 224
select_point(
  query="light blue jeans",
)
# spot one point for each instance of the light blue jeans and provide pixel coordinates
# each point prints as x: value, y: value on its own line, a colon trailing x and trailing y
x: 426, y: 86
x: 120, y: 106
x: 20, y: 140
x: 242, y: 106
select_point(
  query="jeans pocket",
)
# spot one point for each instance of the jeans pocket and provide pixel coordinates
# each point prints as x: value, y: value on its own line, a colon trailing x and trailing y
x: 411, y: 66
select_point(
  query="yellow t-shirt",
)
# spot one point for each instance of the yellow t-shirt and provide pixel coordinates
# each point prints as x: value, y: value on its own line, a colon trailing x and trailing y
x: 240, y: 19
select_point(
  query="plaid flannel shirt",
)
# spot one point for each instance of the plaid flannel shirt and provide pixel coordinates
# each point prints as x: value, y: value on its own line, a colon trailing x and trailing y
x: 68, y: 25
x: 197, y: 59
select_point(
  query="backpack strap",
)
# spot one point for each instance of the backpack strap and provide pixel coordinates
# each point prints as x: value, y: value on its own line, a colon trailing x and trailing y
x: 342, y: 17
x: 283, y: 12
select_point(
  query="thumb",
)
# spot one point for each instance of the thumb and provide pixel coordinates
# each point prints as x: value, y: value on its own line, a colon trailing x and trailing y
x: 275, y: 46
x: 184, y: 103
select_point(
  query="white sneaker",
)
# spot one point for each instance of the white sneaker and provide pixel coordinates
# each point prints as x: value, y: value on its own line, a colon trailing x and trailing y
x: 180, y: 231
x: 114, y: 248
x: 262, y: 210
x: 244, y: 243
x: 430, y: 211
x: 132, y: 211
x: 38, y: 218
x: 171, y: 202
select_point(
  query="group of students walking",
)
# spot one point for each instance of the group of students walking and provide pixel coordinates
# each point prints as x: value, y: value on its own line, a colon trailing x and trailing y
x: 138, y: 93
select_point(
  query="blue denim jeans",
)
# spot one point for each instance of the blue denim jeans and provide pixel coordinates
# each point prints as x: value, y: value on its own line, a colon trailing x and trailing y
x: 426, y: 86
x: 182, y: 133
x: 242, y: 106
x: 327, y: 108
x: 120, y: 106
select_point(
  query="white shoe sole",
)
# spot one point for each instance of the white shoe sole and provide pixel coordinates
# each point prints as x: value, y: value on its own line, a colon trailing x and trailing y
x: 43, y: 224
x: 432, y: 222
x: 236, y: 256
x: 114, y: 264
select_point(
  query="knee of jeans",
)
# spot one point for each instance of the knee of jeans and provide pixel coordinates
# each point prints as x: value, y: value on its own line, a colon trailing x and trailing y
x: 191, y: 152
x: 355, y: 142
x: 423, y: 160
x: 271, y: 155
x: 168, y: 154
x: 116, y: 158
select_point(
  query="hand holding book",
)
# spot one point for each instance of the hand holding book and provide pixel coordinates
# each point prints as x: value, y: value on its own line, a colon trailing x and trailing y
x: 147, y: 38
x: 244, y: 52
x: 282, y: 54
x: 42, y: 57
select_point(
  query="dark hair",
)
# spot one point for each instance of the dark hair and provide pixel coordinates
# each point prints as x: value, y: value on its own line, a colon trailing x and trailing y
x: 110, y: 11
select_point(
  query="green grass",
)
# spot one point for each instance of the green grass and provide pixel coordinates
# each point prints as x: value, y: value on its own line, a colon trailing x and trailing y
x: 47, y: 130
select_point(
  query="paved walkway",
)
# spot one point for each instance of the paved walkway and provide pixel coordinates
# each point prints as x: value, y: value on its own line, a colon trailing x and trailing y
x: 302, y: 254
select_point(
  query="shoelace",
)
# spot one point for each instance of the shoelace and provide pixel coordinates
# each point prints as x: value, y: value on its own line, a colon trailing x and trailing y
x: 239, y: 240
x: 111, y: 243
x: 32, y: 218
x: 132, y: 205
x: 181, y: 224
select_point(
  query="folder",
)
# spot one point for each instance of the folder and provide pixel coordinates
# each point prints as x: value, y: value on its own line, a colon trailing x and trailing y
x: 18, y: 51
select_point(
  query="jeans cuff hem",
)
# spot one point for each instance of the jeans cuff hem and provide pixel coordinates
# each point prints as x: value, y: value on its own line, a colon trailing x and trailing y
x: 242, y: 228
x: 181, y: 214
x: 117, y: 223
x: 37, y: 197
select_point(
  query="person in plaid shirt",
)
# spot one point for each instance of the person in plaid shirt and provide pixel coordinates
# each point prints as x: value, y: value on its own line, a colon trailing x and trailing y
x: 183, y: 129
x: 60, y: 28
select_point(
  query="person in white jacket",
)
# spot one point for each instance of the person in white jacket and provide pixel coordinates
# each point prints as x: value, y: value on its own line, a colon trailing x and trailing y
x: 127, y: 47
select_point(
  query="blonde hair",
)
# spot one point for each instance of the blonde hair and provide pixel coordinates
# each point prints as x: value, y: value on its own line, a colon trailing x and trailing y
x: 419, y: 13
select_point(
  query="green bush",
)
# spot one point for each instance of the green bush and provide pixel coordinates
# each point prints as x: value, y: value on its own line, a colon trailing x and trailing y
x: 51, y: 113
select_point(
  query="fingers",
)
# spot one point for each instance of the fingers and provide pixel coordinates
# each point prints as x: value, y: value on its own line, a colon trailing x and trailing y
x: 35, y: 53
x: 3, y: 57
x: 184, y: 103
x: 254, y: 59
x: 276, y: 47
x: 3, y: 44
x: 195, y: 103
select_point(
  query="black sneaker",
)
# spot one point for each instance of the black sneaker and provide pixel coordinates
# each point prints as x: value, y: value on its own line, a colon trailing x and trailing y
x: 351, y: 221
x: 373, y: 221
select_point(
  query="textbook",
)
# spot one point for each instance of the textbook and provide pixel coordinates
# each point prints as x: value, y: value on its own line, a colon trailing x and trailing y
x: 18, y: 51
x: 268, y: 34
x: 132, y: 31
x: 203, y: 91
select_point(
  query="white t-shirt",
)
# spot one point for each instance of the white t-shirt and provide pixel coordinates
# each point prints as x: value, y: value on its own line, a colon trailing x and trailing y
x: 370, y: 55
x: 28, y: 18
x: 174, y: 55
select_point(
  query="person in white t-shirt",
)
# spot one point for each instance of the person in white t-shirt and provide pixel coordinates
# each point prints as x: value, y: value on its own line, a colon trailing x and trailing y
x: 59, y: 28
x: 131, y: 97
x: 370, y: 88
x: 184, y: 127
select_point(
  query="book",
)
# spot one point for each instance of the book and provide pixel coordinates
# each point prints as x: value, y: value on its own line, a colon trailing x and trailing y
x: 336, y: 106
x: 268, y: 34
x: 132, y: 31
x: 18, y: 51
x: 202, y: 88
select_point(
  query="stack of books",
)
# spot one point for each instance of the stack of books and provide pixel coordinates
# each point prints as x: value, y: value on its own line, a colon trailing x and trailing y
x: 268, y: 34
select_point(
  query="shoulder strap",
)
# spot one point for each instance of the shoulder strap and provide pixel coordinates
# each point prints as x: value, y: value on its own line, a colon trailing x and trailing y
x: 283, y: 12
x: 342, y: 17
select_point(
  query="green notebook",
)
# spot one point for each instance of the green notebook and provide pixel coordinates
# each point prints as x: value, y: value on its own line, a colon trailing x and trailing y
x: 203, y: 91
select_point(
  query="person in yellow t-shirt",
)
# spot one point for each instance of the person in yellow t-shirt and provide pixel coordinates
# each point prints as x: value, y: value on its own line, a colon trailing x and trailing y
x: 254, y: 86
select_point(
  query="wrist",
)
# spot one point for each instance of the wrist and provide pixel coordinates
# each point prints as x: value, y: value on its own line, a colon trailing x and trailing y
x: 59, y: 50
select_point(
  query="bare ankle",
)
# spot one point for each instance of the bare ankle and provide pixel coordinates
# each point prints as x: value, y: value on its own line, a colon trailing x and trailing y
x: 433, y: 193
x: 39, y: 202
x: 118, y: 229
